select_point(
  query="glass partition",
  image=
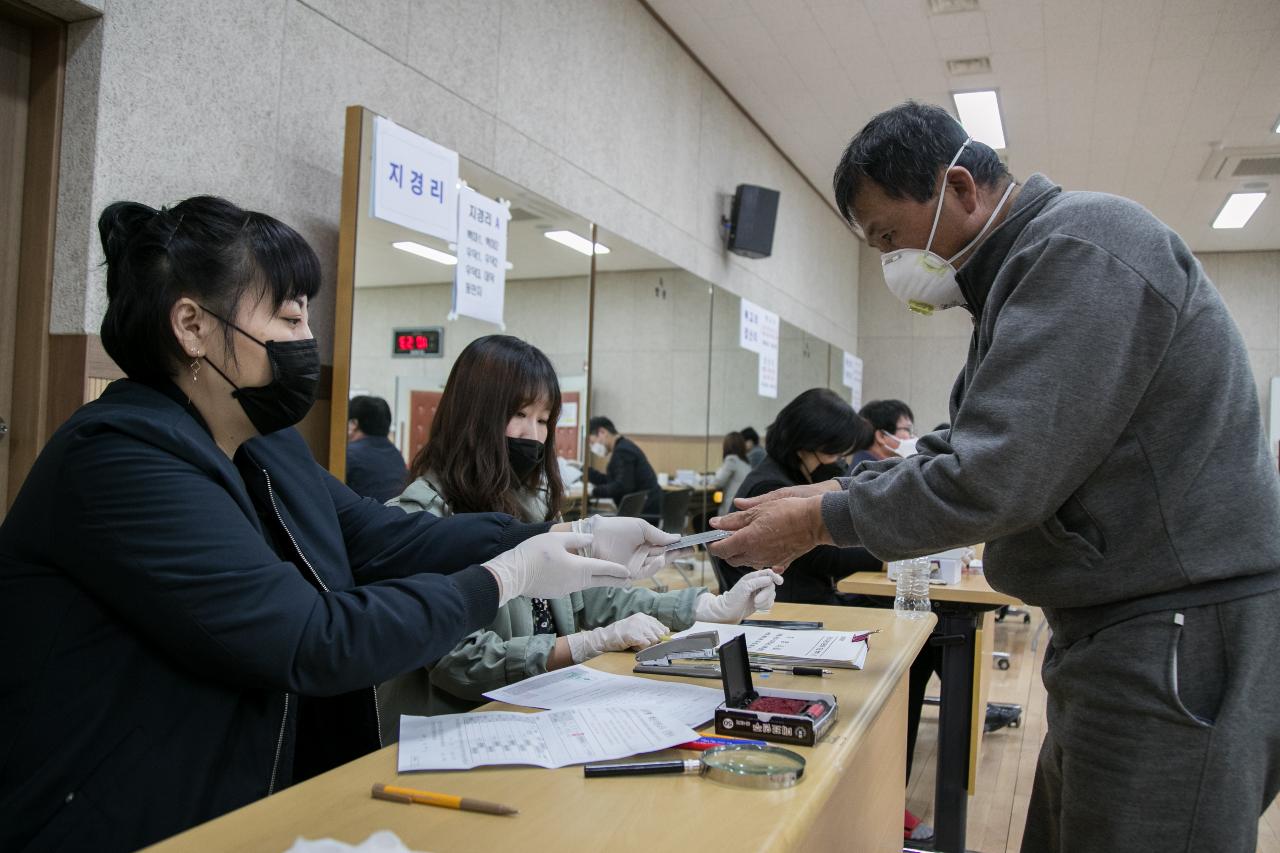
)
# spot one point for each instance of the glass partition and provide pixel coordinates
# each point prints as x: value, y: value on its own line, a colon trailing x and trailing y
x: 737, y: 400
x: 403, y: 342
x: 650, y: 368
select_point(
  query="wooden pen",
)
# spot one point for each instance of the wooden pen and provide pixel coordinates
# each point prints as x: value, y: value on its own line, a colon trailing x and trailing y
x: 396, y: 794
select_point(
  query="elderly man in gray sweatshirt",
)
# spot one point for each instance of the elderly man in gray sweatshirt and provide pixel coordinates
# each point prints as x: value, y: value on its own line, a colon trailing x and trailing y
x: 1108, y: 446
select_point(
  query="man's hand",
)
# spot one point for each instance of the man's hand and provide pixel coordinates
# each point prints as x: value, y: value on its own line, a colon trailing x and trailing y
x: 806, y: 491
x: 773, y: 533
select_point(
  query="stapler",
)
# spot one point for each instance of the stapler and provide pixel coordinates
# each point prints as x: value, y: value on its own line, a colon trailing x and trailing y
x: 693, y: 655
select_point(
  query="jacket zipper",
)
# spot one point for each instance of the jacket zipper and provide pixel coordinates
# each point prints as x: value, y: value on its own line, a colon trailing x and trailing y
x: 271, y: 493
x: 275, y: 762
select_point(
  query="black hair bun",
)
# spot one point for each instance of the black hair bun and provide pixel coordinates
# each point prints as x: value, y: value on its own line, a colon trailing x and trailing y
x: 119, y: 223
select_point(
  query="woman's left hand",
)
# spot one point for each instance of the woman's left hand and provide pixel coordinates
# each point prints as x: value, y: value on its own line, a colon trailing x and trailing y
x: 752, y: 592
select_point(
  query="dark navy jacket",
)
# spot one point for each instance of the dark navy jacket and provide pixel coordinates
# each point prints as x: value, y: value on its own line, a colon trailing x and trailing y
x: 162, y: 611
x: 629, y: 471
x: 375, y: 468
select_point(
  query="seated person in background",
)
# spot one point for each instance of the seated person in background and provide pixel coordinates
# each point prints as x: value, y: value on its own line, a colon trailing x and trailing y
x: 733, y: 471
x: 806, y: 444
x: 894, y: 426
x: 628, y: 471
x: 492, y: 447
x: 375, y: 468
x: 755, y: 451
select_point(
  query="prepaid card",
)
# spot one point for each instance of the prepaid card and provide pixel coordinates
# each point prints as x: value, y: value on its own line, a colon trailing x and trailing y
x: 778, y: 645
x: 549, y: 739
x: 581, y: 686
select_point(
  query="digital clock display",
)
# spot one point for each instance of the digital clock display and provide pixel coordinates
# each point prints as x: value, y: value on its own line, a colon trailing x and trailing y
x: 417, y: 343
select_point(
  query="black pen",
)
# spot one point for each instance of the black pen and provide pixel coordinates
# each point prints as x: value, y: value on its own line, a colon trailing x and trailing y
x: 643, y: 768
x: 794, y: 670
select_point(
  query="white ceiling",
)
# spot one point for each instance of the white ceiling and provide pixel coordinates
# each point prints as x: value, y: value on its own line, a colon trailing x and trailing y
x: 1122, y: 96
x: 531, y: 255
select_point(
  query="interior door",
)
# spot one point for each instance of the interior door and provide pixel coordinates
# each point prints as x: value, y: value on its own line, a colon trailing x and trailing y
x: 567, y: 435
x: 422, y: 411
x: 15, y: 70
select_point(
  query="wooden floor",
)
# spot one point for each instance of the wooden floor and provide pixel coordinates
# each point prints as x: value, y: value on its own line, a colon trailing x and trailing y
x: 1007, y: 765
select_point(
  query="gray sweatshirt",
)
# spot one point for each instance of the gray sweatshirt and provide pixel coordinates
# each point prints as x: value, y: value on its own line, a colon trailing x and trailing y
x: 1106, y: 438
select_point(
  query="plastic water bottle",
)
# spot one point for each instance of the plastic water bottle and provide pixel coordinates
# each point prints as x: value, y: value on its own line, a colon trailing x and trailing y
x: 912, y: 598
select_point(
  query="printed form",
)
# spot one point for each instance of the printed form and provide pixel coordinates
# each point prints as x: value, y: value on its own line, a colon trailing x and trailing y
x: 548, y: 739
x: 778, y: 645
x: 581, y: 686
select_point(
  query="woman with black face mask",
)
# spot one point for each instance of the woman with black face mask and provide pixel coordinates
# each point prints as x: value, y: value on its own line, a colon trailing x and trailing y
x: 194, y: 612
x: 492, y: 447
x: 809, y: 442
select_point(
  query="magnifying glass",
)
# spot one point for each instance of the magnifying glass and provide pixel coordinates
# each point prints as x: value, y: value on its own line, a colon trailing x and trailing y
x: 744, y: 765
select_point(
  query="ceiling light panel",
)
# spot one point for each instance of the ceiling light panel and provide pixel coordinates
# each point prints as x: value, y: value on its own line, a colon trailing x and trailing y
x: 1238, y: 209
x: 980, y: 114
x: 575, y: 242
x: 425, y: 252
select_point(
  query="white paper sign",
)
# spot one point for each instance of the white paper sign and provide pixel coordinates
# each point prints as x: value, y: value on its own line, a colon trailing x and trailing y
x: 767, y: 374
x: 853, y: 377
x: 769, y: 327
x: 479, y: 279
x: 415, y: 181
x: 749, y: 326
x: 568, y: 415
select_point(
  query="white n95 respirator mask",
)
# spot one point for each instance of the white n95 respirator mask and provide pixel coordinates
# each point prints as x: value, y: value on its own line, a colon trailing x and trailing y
x: 925, y: 281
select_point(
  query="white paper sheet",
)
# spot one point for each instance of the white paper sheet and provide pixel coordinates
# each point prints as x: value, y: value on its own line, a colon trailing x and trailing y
x: 832, y: 648
x: 581, y: 686
x: 549, y: 739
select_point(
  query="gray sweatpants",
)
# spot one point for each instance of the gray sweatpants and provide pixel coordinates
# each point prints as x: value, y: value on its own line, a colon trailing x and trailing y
x: 1164, y: 733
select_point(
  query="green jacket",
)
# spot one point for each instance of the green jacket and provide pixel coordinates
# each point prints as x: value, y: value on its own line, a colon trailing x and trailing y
x: 508, y: 651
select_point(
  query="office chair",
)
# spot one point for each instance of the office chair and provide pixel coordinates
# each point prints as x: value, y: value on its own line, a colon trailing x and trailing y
x: 632, y: 505
x: 675, y: 517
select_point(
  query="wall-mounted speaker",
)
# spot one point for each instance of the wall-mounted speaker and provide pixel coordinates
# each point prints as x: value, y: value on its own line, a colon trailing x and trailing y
x: 750, y: 225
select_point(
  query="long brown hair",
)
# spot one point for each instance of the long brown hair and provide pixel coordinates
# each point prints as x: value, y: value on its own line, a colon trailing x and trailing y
x: 735, y: 445
x: 493, y: 378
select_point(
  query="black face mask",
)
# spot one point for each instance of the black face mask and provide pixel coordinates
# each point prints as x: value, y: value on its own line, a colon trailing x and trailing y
x: 829, y: 471
x: 525, y: 455
x: 286, y: 399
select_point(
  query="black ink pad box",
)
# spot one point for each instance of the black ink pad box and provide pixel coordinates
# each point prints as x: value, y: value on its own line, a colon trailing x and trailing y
x: 785, y: 716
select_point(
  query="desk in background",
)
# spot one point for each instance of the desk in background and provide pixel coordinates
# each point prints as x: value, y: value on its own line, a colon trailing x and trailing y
x: 851, y: 797
x: 962, y: 609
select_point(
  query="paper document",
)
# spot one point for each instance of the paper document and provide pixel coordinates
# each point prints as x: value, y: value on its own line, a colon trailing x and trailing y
x: 581, y: 686
x: 550, y: 739
x: 792, y: 648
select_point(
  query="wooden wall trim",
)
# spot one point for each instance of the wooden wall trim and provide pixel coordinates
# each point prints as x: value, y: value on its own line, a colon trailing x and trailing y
x: 31, y: 357
x: 344, y: 293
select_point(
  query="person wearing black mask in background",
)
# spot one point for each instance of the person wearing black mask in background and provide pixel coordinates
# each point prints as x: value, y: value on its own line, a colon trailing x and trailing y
x: 375, y: 468
x: 193, y: 611
x: 492, y: 447
x: 808, y: 443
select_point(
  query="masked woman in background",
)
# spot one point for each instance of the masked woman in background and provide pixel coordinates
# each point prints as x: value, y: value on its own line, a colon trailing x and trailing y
x: 193, y: 611
x: 492, y: 448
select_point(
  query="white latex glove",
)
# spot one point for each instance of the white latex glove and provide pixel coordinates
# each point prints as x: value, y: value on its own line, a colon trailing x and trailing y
x: 637, y: 631
x: 549, y: 566
x: 752, y: 592
x: 633, y: 542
